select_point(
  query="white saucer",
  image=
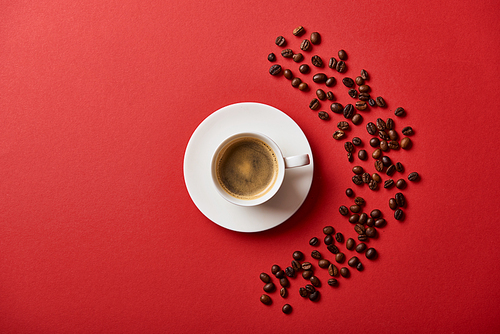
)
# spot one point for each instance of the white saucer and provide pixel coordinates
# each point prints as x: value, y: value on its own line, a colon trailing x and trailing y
x: 244, y: 117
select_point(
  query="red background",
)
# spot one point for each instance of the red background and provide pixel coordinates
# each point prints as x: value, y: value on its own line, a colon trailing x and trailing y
x: 98, y: 102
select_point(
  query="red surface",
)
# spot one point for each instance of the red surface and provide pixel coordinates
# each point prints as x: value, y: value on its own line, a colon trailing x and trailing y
x: 98, y: 102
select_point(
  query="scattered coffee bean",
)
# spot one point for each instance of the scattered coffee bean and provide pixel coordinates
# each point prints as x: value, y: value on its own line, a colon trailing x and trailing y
x: 341, y: 67
x: 298, y: 57
x: 344, y: 211
x: 344, y: 272
x: 314, y: 241
x: 392, y: 204
x: 373, y: 185
x: 314, y: 296
x: 379, y: 223
x: 269, y: 287
x: 310, y: 288
x: 358, y: 170
x: 305, y: 45
x: 265, y: 278
x: 332, y: 249
x: 287, y: 309
x: 340, y: 257
x: 280, y: 41
x: 354, y: 218
x: 364, y: 89
x: 333, y: 282
x: 284, y: 282
x: 376, y: 177
x: 275, y: 268
x: 353, y: 261
x: 288, y: 74
x: 371, y: 128
x: 321, y: 94
x: 399, y: 167
x: 275, y: 70
x: 364, y: 97
x: 304, y: 69
x: 315, y: 38
x: 376, y: 213
x: 316, y: 61
x: 298, y: 31
x: 290, y: 272
x: 361, y: 105
x: 328, y: 239
x: 400, y: 112
x: 314, y: 104
x: 384, y: 146
x: 316, y: 255
x: 383, y: 135
x: 359, y: 81
x: 283, y: 292
x: 413, y: 177
x: 349, y: 192
x: 348, y: 82
x: 366, y: 177
x: 298, y: 255
x: 360, y: 267
x: 401, y: 184
x: 323, y: 263
x: 306, y: 265
x: 364, y: 75
x: 371, y: 253
x: 339, y: 134
x: 323, y: 115
x: 303, y: 86
x: 374, y: 142
x: 280, y: 273
x: 386, y: 161
x: 344, y: 126
x: 359, y: 201
x: 399, y: 214
x: 339, y: 237
x: 348, y: 111
x: 287, y: 53
x: 379, y: 166
x: 356, y: 141
x: 380, y: 102
x: 337, y: 108
x: 360, y: 229
x: 330, y: 96
x: 296, y: 265
x: 330, y: 82
x: 377, y: 153
x: 307, y: 274
x: 296, y: 82
x: 363, y: 218
x: 381, y: 124
x: 357, y: 119
x: 266, y: 300
x: 406, y: 143
x: 360, y: 248
x: 332, y: 63
x: 389, y: 184
x: 393, y: 145
x: 400, y: 200
x: 390, y: 170
x: 315, y: 281
x: 342, y: 55
x: 407, y: 131
x: 320, y: 78
x: 362, y: 155
x: 371, y: 232
x: 357, y: 180
x: 333, y: 270
x: 372, y: 103
x: 303, y: 292
x: 352, y: 93
x: 271, y: 57
x: 328, y: 230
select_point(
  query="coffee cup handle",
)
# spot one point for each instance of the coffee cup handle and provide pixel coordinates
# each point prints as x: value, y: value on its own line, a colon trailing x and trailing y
x: 297, y: 161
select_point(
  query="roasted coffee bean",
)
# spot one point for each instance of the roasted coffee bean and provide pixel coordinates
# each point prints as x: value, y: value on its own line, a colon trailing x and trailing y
x: 337, y: 108
x: 266, y: 300
x: 320, y: 78
x: 321, y: 94
x: 350, y: 244
x: 359, y: 201
x: 344, y: 272
x: 344, y: 211
x: 333, y: 282
x: 280, y: 273
x: 362, y: 237
x: 314, y: 296
x: 316, y: 61
x: 303, y: 292
x: 333, y: 270
x: 348, y: 111
x: 361, y: 105
x: 296, y: 82
x: 384, y: 146
x: 364, y: 75
x: 275, y: 268
x: 305, y: 45
x: 315, y: 281
x: 343, y: 125
x: 366, y: 177
x: 287, y: 53
x: 275, y: 70
x: 379, y: 223
x: 332, y: 249
x: 401, y: 184
x: 407, y: 131
x: 400, y: 112
x: 399, y: 214
x: 381, y: 124
x: 380, y: 102
x: 356, y: 141
x: 330, y: 96
x: 314, y: 104
x: 310, y: 288
x: 392, y: 204
x: 269, y: 287
x: 362, y: 155
x: 360, y: 267
x: 372, y: 103
x: 405, y: 143
x: 413, y: 177
x: 342, y: 55
x: 371, y: 128
x: 271, y: 57
x: 393, y: 145
x: 323, y: 263
x: 298, y: 31
x: 348, y: 82
x: 383, y: 135
x: 353, y: 261
x: 328, y: 230
x: 332, y: 63
x: 389, y: 184
x: 290, y: 272
x: 357, y: 180
x: 361, y: 247
x: 371, y: 232
x: 298, y: 57
x: 389, y: 124
x: 352, y: 93
x: 296, y: 265
x: 359, y: 81
x: 315, y: 38
x: 376, y: 213
x: 399, y: 167
x: 390, y: 170
x: 307, y: 274
x: 386, y: 161
x: 364, y: 97
x: 360, y: 229
x: 287, y: 309
x: 363, y: 218
x: 400, y: 200
x: 283, y: 292
x: 339, y: 237
x: 348, y: 146
x: 304, y: 69
x: 284, y: 282
x: 376, y: 177
x: 323, y: 115
x: 371, y: 254
x: 341, y: 67
x: 339, y: 134
x: 316, y: 255
x: 364, y: 89
x: 330, y: 82
x: 306, y: 266
x: 354, y: 218
x: 379, y: 166
x: 377, y: 153
x: 374, y: 142
x: 373, y: 185
x: 303, y: 86
x: 340, y: 257
x: 280, y: 41
x: 298, y: 255
x: 357, y: 119
x: 265, y: 278
x: 349, y: 192
x: 288, y: 74
x: 328, y: 240
x: 314, y: 241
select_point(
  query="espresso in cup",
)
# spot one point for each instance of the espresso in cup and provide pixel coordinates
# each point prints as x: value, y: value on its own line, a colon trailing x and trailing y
x: 247, y: 168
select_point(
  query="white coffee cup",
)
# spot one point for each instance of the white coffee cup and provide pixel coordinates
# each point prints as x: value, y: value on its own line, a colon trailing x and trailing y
x: 248, y: 168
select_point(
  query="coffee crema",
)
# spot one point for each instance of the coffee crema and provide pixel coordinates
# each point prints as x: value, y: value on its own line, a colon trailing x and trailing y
x: 247, y: 168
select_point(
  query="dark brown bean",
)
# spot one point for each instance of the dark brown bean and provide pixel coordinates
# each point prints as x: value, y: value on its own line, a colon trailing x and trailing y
x: 265, y: 278
x: 360, y: 248
x: 337, y: 108
x: 304, y: 69
x: 380, y: 102
x: 315, y: 38
x: 350, y: 244
x: 319, y: 77
x: 339, y: 134
x: 344, y: 272
x: 298, y: 31
x: 333, y: 270
x: 357, y: 119
x: 371, y: 253
x: 413, y: 177
x: 275, y: 70
x: 298, y: 57
x: 280, y: 41
x: 266, y: 300
x: 332, y: 63
x: 316, y: 61
x: 269, y: 287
